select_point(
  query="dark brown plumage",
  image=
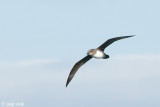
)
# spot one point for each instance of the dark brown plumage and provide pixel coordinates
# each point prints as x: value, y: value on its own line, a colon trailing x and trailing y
x: 76, y: 67
x: 110, y: 41
x: 91, y: 54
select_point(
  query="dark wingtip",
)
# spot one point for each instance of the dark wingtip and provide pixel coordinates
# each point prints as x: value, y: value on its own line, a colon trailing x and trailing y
x: 67, y: 83
x: 129, y: 36
x: 132, y: 35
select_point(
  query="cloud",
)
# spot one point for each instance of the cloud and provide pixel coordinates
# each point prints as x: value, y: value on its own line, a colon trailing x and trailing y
x: 23, y: 74
x: 25, y: 63
x: 138, y: 57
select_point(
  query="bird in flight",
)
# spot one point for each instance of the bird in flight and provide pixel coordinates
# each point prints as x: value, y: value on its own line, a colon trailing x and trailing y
x: 94, y: 53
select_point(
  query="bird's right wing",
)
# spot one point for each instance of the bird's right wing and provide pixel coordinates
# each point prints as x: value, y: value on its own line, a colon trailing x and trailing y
x: 110, y: 41
x: 76, y: 67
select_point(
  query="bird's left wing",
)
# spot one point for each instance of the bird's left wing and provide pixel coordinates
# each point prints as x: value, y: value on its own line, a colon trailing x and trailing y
x: 110, y: 41
x: 76, y: 67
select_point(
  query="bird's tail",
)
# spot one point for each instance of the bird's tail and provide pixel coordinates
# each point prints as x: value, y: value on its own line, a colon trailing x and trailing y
x: 106, y: 56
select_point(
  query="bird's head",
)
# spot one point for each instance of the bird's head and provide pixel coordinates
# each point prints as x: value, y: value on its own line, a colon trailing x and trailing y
x: 90, y: 52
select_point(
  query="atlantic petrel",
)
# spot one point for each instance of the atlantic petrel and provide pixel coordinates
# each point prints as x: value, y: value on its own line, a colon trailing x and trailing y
x: 94, y: 53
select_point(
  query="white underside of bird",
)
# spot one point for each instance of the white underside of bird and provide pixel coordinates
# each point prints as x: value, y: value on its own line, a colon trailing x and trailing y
x: 99, y: 54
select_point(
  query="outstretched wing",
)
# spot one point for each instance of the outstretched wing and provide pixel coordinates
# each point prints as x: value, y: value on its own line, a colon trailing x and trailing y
x: 76, y: 67
x: 110, y: 41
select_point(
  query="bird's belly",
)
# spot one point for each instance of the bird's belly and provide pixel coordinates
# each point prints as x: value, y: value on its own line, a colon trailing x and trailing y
x: 99, y: 54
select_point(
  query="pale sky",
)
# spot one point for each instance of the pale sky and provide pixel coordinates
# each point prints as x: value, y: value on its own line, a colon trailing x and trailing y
x: 40, y: 41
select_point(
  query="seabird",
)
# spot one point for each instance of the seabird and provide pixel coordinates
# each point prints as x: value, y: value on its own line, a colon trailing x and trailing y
x: 94, y: 53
